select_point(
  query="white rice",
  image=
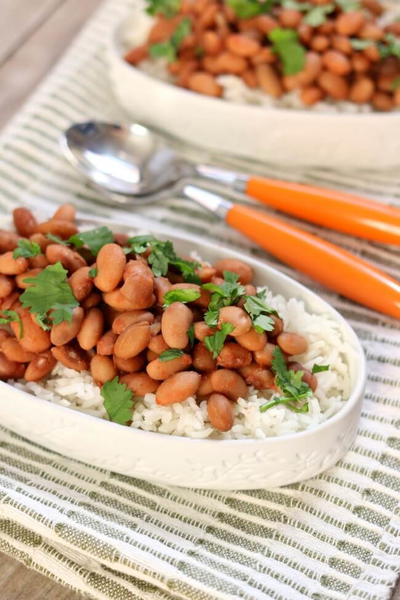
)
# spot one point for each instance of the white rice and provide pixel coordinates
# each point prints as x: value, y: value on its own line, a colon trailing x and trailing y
x: 325, y: 346
x: 234, y: 89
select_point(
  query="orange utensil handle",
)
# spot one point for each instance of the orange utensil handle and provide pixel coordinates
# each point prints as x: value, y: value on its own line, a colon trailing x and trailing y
x: 337, y: 210
x: 337, y: 269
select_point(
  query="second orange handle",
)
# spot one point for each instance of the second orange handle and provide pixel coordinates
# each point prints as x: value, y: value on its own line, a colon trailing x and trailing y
x: 332, y: 266
x: 330, y: 208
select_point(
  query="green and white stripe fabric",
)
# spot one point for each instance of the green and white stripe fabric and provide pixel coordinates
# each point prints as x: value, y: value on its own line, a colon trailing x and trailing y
x: 334, y: 537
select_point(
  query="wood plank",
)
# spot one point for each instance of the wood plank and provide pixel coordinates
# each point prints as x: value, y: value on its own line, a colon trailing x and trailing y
x: 19, y: 19
x: 28, y: 65
x: 19, y: 583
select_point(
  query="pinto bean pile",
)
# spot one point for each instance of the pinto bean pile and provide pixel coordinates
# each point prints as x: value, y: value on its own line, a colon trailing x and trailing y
x: 120, y: 326
x: 348, y: 56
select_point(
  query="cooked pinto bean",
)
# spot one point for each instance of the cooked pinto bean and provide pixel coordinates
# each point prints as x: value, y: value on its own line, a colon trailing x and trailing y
x: 220, y: 412
x: 71, y: 357
x: 268, y: 80
x: 7, y: 284
x: 234, y: 265
x: 258, y: 377
x: 233, y: 356
x: 162, y: 285
x: 362, y: 90
x: 205, y: 387
x: 229, y: 383
x: 158, y: 369
x: 102, y: 369
x: 34, y: 338
x: 38, y: 262
x: 292, y: 343
x: 158, y: 344
x: 13, y: 350
x: 204, y: 83
x: 336, y: 62
x: 110, y: 262
x: 60, y: 227
x: 334, y: 85
x: 202, y: 358
x: 92, y: 300
x: 105, y: 345
x: 20, y: 279
x: 65, y: 212
x: 132, y: 340
x: 237, y: 317
x: 123, y: 320
x: 264, y: 356
x: 308, y: 377
x: 130, y: 365
x: 91, y: 329
x: 242, y: 45
x: 81, y: 283
x: 8, y: 240
x: 201, y: 330
x: 178, y: 387
x: 12, y: 266
x: 139, y: 284
x: 350, y: 23
x: 9, y: 369
x: 65, y: 331
x: 9, y: 301
x: 24, y: 221
x: 175, y: 322
x: 40, y: 366
x: 252, y: 340
x: 140, y: 383
x: 69, y: 259
x: 118, y: 301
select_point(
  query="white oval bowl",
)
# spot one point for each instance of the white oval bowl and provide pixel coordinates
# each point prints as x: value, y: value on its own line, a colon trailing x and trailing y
x: 289, y: 137
x: 182, y: 461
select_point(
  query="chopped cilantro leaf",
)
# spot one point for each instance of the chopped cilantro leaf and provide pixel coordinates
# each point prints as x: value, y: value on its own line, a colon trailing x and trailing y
x: 348, y: 5
x: 169, y: 49
x: 170, y: 354
x: 118, y: 401
x: 168, y: 8
x: 94, y: 239
x: 27, y: 249
x: 9, y: 316
x: 92, y: 272
x: 317, y: 15
x: 214, y: 343
x: 246, y: 9
x: 181, y: 295
x: 285, y: 43
x: 395, y: 85
x: 391, y: 47
x: 258, y: 310
x: 190, y: 333
x: 226, y: 294
x: 360, y: 44
x: 50, y: 291
x: 319, y: 368
x: 263, y: 323
x: 56, y: 239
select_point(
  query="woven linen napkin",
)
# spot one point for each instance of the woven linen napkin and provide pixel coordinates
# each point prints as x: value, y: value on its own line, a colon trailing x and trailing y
x: 334, y: 537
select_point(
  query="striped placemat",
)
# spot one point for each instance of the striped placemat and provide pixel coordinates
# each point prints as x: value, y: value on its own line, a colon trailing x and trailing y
x: 334, y: 537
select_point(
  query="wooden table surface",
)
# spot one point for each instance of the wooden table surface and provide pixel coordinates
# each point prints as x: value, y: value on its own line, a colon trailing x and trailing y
x: 33, y: 35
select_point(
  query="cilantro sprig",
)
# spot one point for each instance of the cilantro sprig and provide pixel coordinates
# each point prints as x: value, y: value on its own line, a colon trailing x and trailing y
x: 316, y: 16
x: 168, y: 8
x: 181, y: 295
x: 226, y: 294
x: 259, y: 311
x: 10, y: 316
x: 390, y: 47
x: 50, y: 292
x: 163, y: 256
x: 118, y: 401
x: 214, y: 343
x: 319, y: 368
x: 170, y: 48
x: 170, y: 354
x: 94, y: 239
x: 285, y: 43
x: 26, y: 249
x: 246, y: 9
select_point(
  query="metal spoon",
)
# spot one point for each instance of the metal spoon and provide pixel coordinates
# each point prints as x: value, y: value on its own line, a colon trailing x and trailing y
x: 133, y: 163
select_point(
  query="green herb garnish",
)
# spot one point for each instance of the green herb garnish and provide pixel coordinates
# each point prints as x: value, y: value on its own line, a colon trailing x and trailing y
x: 360, y: 44
x: 10, y: 316
x: 168, y: 8
x: 181, y: 295
x: 348, y: 5
x: 285, y: 43
x: 215, y: 343
x: 319, y: 368
x: 56, y: 239
x: 50, y: 291
x: 247, y: 9
x: 118, y: 401
x: 391, y: 47
x: 170, y: 354
x: 94, y: 239
x: 259, y: 311
x: 170, y: 48
x: 317, y: 15
x: 395, y: 85
x: 190, y: 333
x: 92, y: 272
x: 295, y: 392
x: 226, y: 294
x: 27, y: 249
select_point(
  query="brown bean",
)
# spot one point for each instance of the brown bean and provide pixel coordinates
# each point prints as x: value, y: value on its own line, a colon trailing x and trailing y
x: 175, y: 322
x: 8, y: 241
x: 202, y: 358
x: 374, y: 6
x: 178, y: 387
x: 319, y: 43
x: 386, y: 82
x: 150, y: 355
x: 91, y: 329
x: 396, y: 97
x: 136, y: 55
x: 326, y: 28
x: 307, y: 377
x: 361, y: 91
x: 12, y: 266
x: 41, y: 365
x: 336, y: 62
x: 382, y: 101
x: 292, y: 343
x: 158, y: 369
x: 110, y: 263
x: 237, y: 317
x: 334, y: 85
x: 220, y: 412
x: 252, y: 340
x: 242, y: 45
x: 250, y: 79
x: 65, y: 212
x: 105, y: 345
x: 139, y: 284
x: 24, y: 221
x: 229, y: 383
x: 265, y: 23
x: 349, y: 23
x: 123, y: 320
x: 258, y: 377
x: 13, y: 350
x: 91, y: 301
x: 201, y: 330
x: 9, y: 301
x: 118, y: 301
x: 227, y: 62
x: 233, y: 356
x: 130, y: 365
x: 157, y: 344
x: 360, y: 63
x: 4, y: 335
x: 102, y: 369
x: 7, y: 284
x: 71, y: 260
x: 34, y: 338
x: 311, y: 95
x: 211, y: 43
x: 268, y: 80
x: 204, y: 83
x: 132, y: 340
x: 38, y: 262
x: 41, y: 240
x: 205, y: 387
x: 371, y: 31
x: 64, y: 332
x: 81, y: 283
x: 305, y: 32
x: 264, y: 56
x: 290, y: 18
x: 9, y: 369
x: 372, y: 53
x: 140, y: 383
x: 162, y: 285
x: 205, y: 273
x: 264, y: 357
x: 71, y: 357
x: 205, y: 295
x: 60, y: 227
x: 342, y: 43
x: 20, y: 279
x: 234, y: 265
